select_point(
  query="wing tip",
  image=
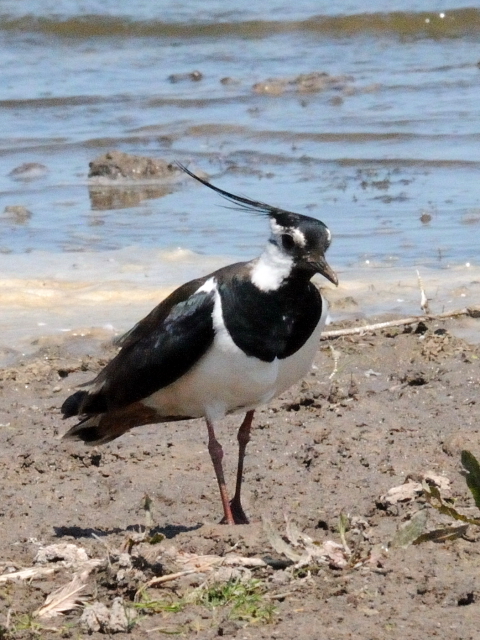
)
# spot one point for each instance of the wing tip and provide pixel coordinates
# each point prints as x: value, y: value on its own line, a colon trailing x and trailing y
x: 89, y: 431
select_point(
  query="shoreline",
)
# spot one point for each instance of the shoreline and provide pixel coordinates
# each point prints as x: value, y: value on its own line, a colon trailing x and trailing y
x: 101, y: 296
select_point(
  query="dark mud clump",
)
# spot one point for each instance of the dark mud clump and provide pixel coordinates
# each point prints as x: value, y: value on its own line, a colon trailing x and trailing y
x: 116, y: 165
x: 304, y: 83
x: 119, y: 180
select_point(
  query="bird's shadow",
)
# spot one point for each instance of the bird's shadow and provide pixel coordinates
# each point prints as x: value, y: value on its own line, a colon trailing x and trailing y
x: 169, y: 531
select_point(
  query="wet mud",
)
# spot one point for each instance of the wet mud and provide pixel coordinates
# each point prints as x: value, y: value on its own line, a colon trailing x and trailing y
x: 378, y: 411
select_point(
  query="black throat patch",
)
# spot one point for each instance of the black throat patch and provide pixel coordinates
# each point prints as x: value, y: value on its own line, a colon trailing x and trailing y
x: 270, y: 324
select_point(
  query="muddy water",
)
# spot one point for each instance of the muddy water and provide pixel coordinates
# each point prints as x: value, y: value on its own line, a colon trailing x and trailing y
x: 369, y: 121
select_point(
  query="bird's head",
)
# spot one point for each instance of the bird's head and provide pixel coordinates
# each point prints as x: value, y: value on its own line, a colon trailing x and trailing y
x: 299, y: 242
x: 303, y: 239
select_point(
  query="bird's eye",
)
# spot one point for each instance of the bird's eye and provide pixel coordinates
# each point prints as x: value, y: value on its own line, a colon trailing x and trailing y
x: 287, y: 242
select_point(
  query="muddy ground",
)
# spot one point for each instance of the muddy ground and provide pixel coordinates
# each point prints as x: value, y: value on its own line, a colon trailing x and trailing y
x: 399, y: 405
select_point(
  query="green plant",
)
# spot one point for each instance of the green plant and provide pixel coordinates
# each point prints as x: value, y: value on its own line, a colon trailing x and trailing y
x: 245, y: 600
x: 168, y: 604
x: 445, y: 507
x: 21, y: 622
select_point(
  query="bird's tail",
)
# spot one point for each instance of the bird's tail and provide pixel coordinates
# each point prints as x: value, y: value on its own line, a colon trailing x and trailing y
x: 95, y: 430
x: 97, y: 425
x: 104, y: 427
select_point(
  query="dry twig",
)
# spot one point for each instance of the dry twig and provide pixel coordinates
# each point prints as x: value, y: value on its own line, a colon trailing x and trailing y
x: 473, y: 312
x: 28, y: 574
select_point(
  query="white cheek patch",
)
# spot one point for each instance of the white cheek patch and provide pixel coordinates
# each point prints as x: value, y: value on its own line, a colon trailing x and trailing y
x: 296, y: 234
x: 298, y: 237
x: 277, y: 229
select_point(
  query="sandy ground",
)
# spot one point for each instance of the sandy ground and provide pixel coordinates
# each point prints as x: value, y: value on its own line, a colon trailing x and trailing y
x: 401, y: 406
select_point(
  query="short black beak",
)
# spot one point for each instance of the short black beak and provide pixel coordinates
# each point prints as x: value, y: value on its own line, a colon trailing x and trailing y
x: 322, y: 267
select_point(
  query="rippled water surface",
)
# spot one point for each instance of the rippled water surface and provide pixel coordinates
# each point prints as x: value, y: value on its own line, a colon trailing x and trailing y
x: 383, y: 149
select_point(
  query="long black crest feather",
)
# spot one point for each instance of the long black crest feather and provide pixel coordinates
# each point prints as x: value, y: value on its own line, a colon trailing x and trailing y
x: 281, y: 215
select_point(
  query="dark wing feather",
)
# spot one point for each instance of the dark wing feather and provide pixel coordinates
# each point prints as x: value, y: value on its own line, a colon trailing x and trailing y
x: 157, y: 351
x: 158, y: 315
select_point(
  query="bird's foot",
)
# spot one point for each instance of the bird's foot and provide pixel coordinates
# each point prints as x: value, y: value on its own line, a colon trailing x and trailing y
x: 238, y: 514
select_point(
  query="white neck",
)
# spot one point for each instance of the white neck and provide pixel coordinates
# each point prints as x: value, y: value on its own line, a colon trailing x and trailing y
x: 271, y: 268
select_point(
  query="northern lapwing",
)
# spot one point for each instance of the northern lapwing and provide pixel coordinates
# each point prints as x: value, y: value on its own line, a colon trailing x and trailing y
x: 227, y: 342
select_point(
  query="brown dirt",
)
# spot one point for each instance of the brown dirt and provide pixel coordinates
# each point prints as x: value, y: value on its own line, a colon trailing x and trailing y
x: 402, y: 403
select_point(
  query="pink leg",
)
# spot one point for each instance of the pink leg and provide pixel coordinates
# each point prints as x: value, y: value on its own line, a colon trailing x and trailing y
x: 243, y: 438
x: 216, y: 454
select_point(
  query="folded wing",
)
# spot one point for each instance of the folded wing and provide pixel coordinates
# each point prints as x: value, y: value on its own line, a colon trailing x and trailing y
x: 157, y: 351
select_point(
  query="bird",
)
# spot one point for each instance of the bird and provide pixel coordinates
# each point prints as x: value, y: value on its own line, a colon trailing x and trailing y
x: 227, y: 342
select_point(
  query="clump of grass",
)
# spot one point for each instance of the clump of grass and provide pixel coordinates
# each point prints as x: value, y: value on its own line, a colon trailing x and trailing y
x: 24, y: 622
x: 168, y: 604
x: 235, y: 599
x: 446, y: 508
x: 243, y: 600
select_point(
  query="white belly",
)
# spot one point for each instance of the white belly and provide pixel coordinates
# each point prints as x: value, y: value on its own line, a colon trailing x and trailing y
x: 225, y: 380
